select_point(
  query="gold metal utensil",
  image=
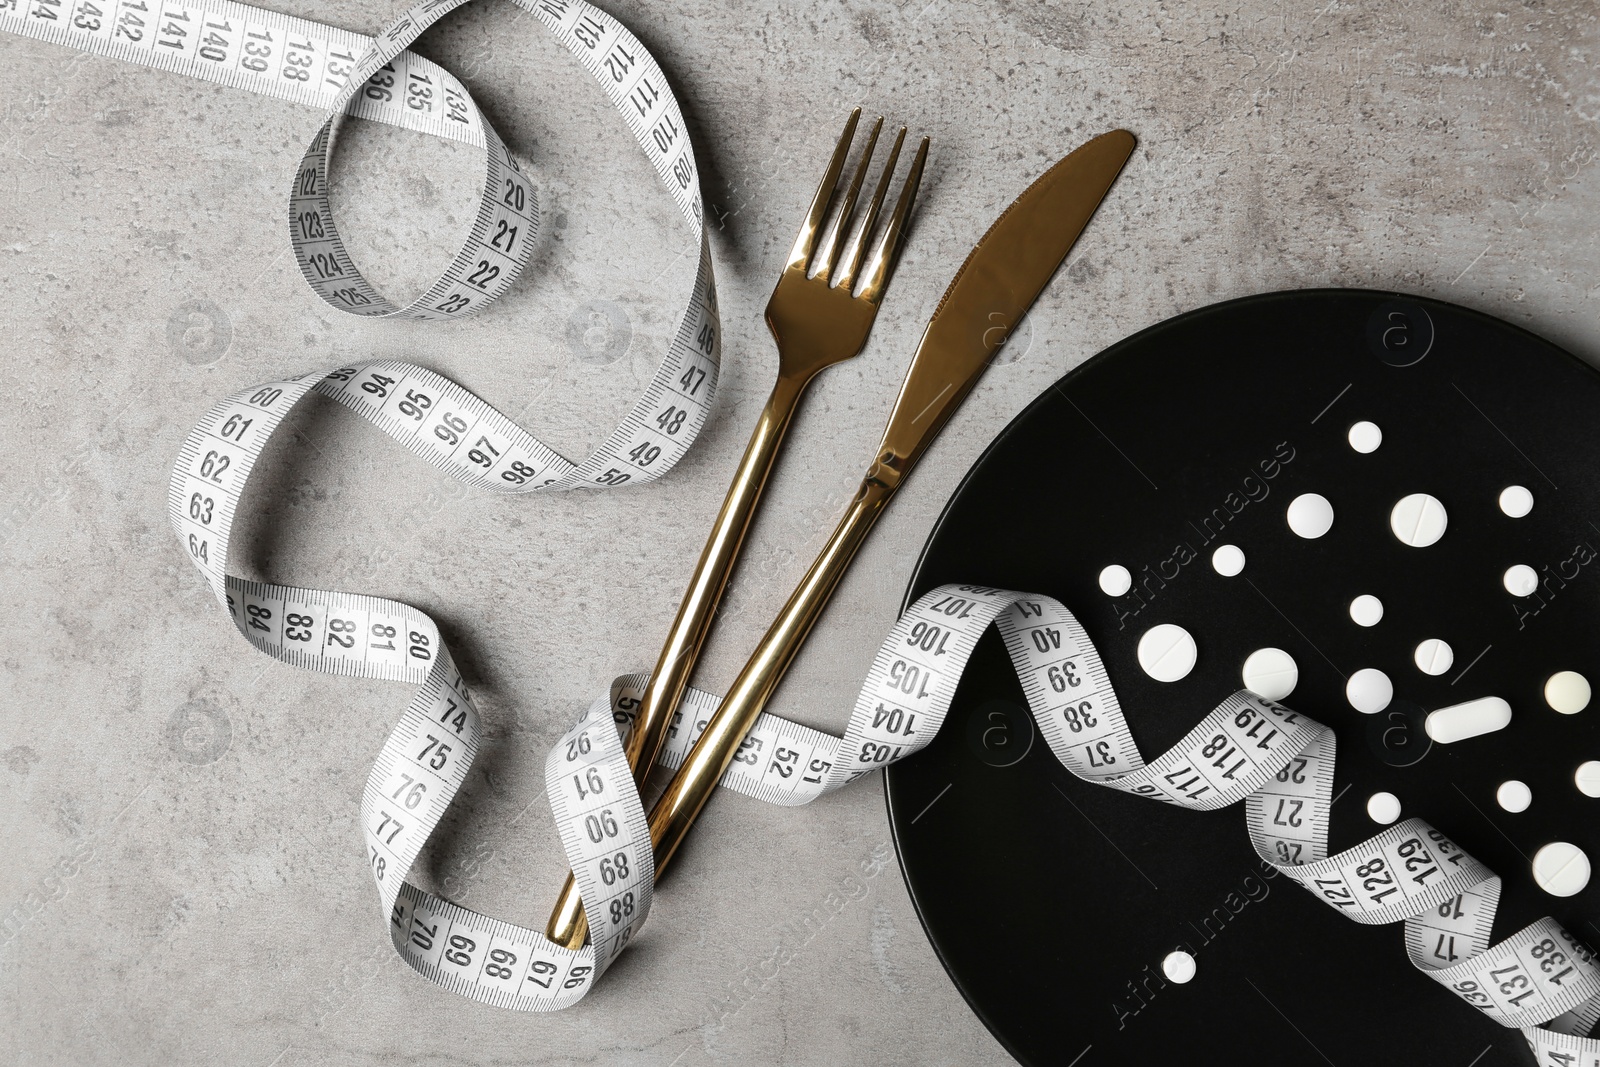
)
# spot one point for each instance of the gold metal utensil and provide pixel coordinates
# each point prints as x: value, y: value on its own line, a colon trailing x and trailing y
x: 817, y: 321
x: 994, y: 288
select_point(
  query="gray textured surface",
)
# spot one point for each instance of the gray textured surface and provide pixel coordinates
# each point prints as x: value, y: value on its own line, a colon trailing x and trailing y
x: 182, y: 870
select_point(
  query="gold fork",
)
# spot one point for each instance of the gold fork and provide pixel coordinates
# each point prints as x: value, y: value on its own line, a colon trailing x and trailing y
x: 817, y: 321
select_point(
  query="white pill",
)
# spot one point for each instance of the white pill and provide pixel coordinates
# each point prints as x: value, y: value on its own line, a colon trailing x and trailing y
x: 1179, y: 967
x: 1369, y: 690
x: 1270, y: 672
x: 1365, y: 437
x: 1228, y: 560
x: 1516, y: 501
x: 1587, y: 778
x: 1567, y: 692
x: 1561, y: 869
x: 1418, y: 520
x: 1433, y: 656
x: 1472, y: 719
x: 1383, y: 808
x: 1310, y: 515
x: 1167, y: 652
x: 1514, y: 796
x: 1366, y: 610
x: 1520, y: 579
x: 1115, y: 580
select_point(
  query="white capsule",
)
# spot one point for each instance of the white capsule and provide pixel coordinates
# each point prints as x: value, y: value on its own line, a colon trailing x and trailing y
x: 1418, y: 520
x: 1471, y: 719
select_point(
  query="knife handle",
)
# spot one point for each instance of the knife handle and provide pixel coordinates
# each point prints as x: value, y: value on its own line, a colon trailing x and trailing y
x: 697, y: 779
x: 568, y: 925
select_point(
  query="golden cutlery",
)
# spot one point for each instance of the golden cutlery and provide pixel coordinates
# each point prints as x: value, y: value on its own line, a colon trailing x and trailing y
x: 817, y: 321
x: 991, y: 292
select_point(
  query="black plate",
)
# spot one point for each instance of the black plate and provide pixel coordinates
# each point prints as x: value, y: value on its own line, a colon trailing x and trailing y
x: 1052, y: 902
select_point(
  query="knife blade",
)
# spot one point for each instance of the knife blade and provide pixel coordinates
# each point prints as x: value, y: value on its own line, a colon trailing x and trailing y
x: 1001, y: 278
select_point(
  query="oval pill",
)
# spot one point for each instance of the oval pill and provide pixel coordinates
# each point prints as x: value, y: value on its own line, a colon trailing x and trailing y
x: 1471, y: 719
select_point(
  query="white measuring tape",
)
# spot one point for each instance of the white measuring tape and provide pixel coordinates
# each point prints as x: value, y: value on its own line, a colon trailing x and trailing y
x: 1540, y: 979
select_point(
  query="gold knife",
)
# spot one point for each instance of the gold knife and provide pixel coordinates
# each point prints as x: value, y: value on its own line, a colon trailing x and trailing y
x: 990, y: 293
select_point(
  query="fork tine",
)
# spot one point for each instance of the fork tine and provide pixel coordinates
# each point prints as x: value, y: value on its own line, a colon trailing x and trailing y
x: 858, y: 237
x: 888, y: 245
x: 828, y: 254
x: 800, y: 255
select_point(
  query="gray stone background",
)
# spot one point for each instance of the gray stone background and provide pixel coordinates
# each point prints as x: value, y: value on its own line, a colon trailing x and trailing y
x: 181, y: 873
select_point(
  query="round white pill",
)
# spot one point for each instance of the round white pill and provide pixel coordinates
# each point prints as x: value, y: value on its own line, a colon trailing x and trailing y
x: 1369, y: 690
x: 1383, y: 808
x: 1418, y: 520
x: 1520, y: 579
x: 1366, y: 610
x: 1433, y: 656
x: 1561, y: 869
x: 1228, y: 560
x: 1270, y: 673
x: 1513, y: 796
x: 1587, y: 778
x: 1167, y: 652
x: 1310, y: 515
x: 1567, y: 692
x: 1516, y: 501
x: 1179, y: 967
x: 1365, y: 437
x: 1115, y: 580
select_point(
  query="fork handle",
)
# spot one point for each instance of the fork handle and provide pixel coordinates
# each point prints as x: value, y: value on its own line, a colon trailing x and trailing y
x: 568, y: 925
x: 697, y: 779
